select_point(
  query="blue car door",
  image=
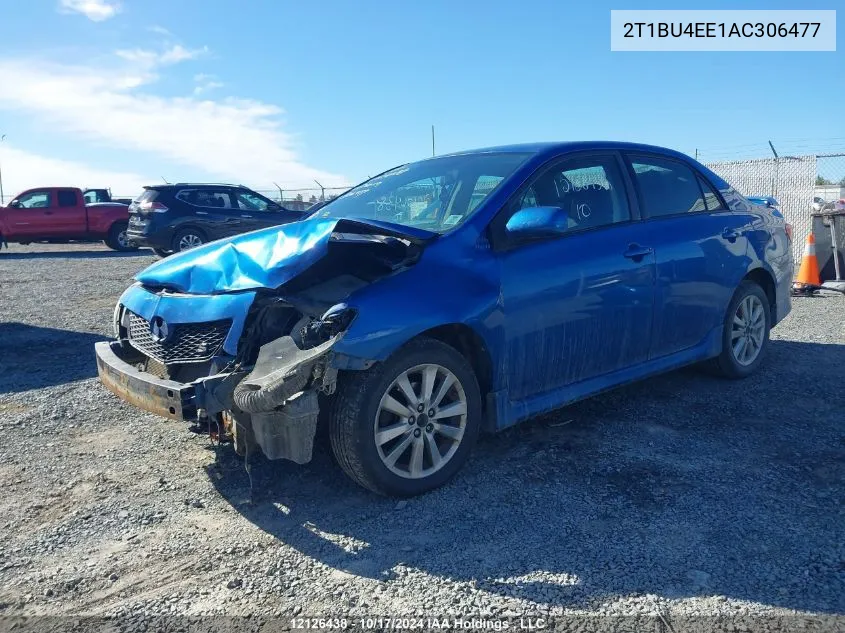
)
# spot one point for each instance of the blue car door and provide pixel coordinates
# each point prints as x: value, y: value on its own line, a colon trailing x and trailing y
x: 700, y: 249
x: 580, y: 305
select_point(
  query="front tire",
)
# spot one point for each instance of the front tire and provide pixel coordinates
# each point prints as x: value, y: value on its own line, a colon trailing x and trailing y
x: 161, y: 252
x: 407, y: 425
x: 745, y: 338
x: 117, y: 239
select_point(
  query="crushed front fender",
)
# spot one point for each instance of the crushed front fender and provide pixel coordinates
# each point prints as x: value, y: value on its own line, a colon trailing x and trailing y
x: 282, y: 370
x: 276, y: 404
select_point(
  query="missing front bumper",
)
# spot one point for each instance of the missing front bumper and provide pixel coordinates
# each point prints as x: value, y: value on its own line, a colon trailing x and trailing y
x: 274, y: 407
x: 163, y: 397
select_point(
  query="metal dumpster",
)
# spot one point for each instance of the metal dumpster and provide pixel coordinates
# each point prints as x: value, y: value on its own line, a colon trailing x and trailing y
x: 829, y: 231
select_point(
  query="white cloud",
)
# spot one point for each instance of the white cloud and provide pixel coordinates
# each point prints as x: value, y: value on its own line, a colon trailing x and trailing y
x: 205, y: 83
x: 231, y: 139
x: 139, y: 56
x: 178, y: 53
x: 96, y: 10
x: 23, y: 170
x: 159, y: 30
x: 142, y: 63
x: 173, y: 55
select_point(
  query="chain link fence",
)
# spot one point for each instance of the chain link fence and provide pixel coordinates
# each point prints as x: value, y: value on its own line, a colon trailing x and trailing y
x: 301, y: 199
x: 800, y: 184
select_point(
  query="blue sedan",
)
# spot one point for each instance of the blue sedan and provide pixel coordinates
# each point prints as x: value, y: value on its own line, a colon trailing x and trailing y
x: 454, y: 295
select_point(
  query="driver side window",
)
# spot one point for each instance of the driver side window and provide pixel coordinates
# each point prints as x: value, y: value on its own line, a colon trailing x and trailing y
x: 34, y: 200
x: 252, y: 202
x: 589, y: 190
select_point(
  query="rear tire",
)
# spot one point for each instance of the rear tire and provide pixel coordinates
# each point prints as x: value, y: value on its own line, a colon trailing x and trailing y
x: 406, y: 456
x: 186, y: 239
x: 745, y: 338
x: 117, y: 239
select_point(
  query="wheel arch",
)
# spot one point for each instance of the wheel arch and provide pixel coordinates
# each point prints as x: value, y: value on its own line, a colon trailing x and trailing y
x: 469, y: 344
x: 116, y: 222
x: 182, y: 228
x: 189, y: 226
x: 766, y: 281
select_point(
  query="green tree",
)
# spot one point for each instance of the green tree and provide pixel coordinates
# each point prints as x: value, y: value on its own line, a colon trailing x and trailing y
x: 842, y: 182
x: 821, y: 180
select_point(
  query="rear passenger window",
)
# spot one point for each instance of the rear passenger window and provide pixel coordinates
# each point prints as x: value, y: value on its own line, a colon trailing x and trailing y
x: 711, y: 198
x: 589, y: 189
x: 667, y: 187
x: 67, y: 198
x: 206, y: 198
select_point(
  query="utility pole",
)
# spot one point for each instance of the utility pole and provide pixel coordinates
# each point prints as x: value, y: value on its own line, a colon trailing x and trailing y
x: 322, y: 191
x: 432, y: 140
x: 2, y: 138
x: 696, y: 153
x: 281, y: 193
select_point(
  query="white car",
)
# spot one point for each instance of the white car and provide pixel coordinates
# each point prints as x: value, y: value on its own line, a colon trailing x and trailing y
x: 818, y: 203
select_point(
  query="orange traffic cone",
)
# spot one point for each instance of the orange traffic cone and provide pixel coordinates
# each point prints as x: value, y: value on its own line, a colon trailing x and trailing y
x: 808, y: 280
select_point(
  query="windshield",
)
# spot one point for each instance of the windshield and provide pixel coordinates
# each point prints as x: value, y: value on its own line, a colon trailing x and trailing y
x: 436, y: 194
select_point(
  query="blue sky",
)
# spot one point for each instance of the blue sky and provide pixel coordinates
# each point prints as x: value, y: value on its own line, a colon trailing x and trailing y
x: 108, y: 93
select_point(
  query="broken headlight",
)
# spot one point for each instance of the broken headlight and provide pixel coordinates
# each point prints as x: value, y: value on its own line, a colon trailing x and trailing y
x: 334, y: 321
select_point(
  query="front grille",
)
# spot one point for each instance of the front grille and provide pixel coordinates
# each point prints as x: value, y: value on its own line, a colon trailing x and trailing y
x: 186, y: 342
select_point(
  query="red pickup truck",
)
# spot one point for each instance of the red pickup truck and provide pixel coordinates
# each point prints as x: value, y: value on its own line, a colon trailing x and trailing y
x: 60, y: 214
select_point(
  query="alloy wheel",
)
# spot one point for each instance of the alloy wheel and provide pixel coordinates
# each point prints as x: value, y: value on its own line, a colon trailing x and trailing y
x: 420, y: 422
x: 748, y: 330
x: 189, y: 241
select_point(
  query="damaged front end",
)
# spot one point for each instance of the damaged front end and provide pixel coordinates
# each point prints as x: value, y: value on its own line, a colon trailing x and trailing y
x: 209, y: 336
x: 276, y: 404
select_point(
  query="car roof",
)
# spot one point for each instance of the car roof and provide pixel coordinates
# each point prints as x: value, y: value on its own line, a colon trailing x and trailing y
x: 571, y: 146
x: 182, y: 185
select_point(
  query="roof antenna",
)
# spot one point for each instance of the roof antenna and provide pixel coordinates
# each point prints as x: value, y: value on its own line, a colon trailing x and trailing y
x: 165, y: 180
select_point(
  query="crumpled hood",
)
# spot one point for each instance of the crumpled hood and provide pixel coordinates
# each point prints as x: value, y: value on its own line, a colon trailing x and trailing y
x: 266, y: 258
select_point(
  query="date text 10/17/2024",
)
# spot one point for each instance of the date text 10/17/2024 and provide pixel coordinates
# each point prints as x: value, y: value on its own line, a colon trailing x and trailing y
x: 420, y: 624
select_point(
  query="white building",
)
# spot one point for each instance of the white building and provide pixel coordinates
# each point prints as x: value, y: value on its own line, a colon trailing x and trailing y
x: 829, y: 192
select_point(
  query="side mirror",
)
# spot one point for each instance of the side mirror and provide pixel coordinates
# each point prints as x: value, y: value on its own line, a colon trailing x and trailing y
x: 14, y: 204
x: 537, y: 223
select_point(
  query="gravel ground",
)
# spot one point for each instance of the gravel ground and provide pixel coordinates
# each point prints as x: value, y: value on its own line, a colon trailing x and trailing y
x: 683, y: 495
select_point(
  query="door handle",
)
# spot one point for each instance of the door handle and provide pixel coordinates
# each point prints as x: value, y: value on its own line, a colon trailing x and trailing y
x: 730, y: 234
x: 637, y: 252
x: 48, y: 213
x: 246, y: 216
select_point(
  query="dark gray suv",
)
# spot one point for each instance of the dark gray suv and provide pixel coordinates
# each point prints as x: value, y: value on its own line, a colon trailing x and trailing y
x: 172, y: 218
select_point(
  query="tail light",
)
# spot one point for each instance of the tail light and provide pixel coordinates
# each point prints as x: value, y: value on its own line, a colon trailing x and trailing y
x: 788, y: 228
x: 152, y: 207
